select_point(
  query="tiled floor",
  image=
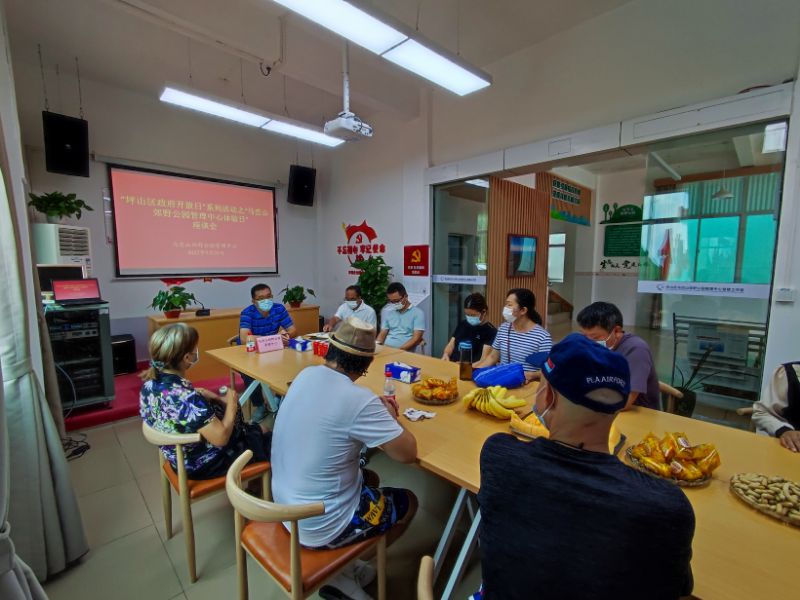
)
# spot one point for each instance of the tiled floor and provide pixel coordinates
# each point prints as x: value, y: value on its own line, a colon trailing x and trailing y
x: 118, y: 486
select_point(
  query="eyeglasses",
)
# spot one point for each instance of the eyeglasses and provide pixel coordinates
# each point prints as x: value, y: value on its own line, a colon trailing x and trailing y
x: 261, y: 298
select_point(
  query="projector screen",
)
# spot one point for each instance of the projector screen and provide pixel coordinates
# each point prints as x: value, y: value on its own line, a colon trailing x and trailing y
x: 177, y: 225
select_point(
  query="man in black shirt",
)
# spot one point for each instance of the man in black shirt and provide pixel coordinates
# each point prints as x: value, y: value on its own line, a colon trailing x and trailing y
x: 561, y: 518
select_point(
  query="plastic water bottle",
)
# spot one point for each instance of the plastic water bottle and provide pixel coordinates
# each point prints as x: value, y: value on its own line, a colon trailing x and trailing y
x: 388, y: 386
x: 251, y: 343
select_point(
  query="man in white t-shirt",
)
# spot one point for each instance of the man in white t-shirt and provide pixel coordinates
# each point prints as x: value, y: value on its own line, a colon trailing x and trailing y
x: 324, y: 421
x: 353, y: 307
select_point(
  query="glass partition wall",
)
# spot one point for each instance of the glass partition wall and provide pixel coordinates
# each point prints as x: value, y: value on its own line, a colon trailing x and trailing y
x: 460, y: 231
x: 709, y: 224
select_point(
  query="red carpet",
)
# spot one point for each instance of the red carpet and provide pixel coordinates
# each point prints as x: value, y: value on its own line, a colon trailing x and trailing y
x: 126, y: 405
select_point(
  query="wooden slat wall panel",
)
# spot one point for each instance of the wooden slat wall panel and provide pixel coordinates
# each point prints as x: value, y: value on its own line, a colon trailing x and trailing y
x: 516, y: 209
x: 544, y: 183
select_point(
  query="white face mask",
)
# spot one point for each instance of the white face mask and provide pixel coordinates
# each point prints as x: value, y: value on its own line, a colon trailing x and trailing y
x: 508, y: 314
x: 603, y: 343
x: 536, y: 411
x: 196, y: 358
x: 351, y: 304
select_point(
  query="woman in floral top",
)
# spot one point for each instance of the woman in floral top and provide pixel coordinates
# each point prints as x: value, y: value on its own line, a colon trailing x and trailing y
x: 169, y: 403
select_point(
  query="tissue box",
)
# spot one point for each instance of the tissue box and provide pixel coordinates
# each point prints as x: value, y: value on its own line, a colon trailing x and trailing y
x: 300, y: 344
x: 269, y: 343
x: 403, y: 372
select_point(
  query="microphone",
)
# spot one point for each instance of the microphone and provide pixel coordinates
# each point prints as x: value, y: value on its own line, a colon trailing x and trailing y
x: 203, y: 312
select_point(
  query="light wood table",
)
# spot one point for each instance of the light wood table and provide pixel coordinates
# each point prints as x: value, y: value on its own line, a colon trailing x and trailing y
x: 216, y: 329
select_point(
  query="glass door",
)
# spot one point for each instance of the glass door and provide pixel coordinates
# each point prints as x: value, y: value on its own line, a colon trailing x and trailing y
x: 460, y: 230
x: 710, y: 219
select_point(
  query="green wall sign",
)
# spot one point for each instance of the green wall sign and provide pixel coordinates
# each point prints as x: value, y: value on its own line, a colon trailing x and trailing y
x: 622, y: 214
x: 623, y: 240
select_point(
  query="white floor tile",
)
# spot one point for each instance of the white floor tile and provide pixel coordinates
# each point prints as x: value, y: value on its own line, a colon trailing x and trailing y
x: 214, y: 541
x: 420, y: 539
x: 225, y: 584
x: 99, y: 438
x: 435, y: 494
x: 113, y: 513
x: 131, y: 568
x: 99, y: 469
x: 141, y: 454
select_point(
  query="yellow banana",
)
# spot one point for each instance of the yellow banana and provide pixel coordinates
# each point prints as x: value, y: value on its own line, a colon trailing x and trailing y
x: 501, y: 393
x: 511, y: 402
x: 499, y: 411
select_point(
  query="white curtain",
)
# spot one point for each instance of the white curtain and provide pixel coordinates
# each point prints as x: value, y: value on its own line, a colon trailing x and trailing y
x: 36, y: 495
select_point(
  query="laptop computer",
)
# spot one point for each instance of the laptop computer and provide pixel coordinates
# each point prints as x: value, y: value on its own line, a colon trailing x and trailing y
x: 77, y: 292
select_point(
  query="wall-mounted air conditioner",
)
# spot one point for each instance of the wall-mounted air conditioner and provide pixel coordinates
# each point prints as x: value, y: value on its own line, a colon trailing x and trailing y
x: 63, y: 245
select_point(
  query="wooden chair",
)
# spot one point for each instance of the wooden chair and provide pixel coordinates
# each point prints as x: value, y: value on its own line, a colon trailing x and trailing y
x: 747, y: 412
x: 425, y: 580
x: 673, y: 396
x: 300, y: 572
x: 191, y: 491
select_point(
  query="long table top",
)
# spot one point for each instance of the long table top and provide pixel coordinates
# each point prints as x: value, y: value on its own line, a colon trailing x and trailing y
x: 738, y: 552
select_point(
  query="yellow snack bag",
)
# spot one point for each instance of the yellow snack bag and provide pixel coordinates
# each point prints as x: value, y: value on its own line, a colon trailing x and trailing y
x: 709, y: 463
x: 683, y: 449
x: 667, y: 446
x: 685, y: 469
x: 657, y: 467
x: 702, y: 450
x: 653, y: 448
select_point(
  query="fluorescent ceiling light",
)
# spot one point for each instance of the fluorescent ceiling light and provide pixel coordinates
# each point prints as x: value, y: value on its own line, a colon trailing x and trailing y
x: 211, y: 107
x: 348, y: 21
x: 479, y: 182
x: 302, y: 133
x: 221, y: 107
x: 434, y: 67
x: 774, y: 138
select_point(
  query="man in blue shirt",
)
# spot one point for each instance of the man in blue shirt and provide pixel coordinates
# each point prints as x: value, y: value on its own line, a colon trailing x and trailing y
x: 403, y: 324
x: 263, y: 317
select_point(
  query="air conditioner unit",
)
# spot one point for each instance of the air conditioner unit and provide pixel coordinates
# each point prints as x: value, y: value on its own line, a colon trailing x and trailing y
x: 63, y: 245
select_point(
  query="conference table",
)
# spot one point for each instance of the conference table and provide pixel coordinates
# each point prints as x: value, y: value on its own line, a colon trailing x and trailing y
x: 738, y: 553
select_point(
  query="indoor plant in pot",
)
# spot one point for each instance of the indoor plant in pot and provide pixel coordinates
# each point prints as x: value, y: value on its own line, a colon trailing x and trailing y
x: 55, y: 206
x: 374, y: 280
x: 172, y: 301
x: 685, y: 406
x: 294, y: 296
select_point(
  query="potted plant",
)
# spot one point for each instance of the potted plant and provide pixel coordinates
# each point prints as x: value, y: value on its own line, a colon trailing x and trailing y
x: 55, y: 206
x: 172, y: 301
x: 685, y: 406
x: 374, y: 280
x: 294, y: 296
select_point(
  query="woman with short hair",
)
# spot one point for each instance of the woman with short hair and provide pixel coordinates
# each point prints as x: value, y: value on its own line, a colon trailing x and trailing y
x: 169, y: 403
x: 520, y: 336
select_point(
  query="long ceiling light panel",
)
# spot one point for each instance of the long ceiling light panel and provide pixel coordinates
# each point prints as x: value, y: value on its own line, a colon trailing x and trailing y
x: 384, y: 35
x: 227, y: 109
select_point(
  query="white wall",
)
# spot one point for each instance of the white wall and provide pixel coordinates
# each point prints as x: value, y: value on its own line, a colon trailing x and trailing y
x: 133, y: 126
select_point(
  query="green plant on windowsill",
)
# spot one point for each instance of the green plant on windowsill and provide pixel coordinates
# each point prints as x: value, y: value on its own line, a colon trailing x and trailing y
x: 374, y: 280
x: 56, y: 205
x: 294, y: 296
x: 172, y: 301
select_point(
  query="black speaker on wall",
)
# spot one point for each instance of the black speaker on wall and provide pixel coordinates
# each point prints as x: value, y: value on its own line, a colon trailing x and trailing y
x: 301, y: 185
x: 66, y: 144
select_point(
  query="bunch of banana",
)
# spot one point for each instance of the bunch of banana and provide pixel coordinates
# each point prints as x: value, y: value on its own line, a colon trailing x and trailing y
x: 493, y: 401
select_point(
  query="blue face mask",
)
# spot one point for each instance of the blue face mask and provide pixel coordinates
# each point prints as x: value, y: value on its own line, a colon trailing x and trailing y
x: 265, y: 305
x: 473, y: 320
x: 536, y: 412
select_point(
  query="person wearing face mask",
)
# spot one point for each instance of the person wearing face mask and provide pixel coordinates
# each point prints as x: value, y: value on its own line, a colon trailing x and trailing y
x: 170, y: 404
x: 263, y: 317
x: 403, y: 324
x: 474, y: 329
x: 602, y: 322
x: 575, y: 514
x: 520, y: 336
x: 353, y: 307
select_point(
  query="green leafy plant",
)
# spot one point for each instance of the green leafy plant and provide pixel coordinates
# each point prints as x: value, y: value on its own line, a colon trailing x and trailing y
x: 373, y: 281
x: 295, y: 294
x: 173, y: 299
x: 56, y: 204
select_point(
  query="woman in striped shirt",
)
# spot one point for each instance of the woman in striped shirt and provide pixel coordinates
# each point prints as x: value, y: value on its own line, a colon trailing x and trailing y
x: 520, y: 336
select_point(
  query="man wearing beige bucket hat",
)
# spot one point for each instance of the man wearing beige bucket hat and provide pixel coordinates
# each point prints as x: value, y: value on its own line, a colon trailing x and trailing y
x: 323, y: 423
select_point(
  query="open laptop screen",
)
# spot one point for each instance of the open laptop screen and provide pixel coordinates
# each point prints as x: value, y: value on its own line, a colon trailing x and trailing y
x: 84, y: 289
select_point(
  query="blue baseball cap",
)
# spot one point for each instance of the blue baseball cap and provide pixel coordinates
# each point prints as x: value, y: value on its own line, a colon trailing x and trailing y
x: 577, y: 366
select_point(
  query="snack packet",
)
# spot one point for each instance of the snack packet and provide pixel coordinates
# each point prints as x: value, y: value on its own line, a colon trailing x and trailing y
x: 683, y: 449
x: 653, y: 448
x: 709, y: 463
x: 639, y: 451
x: 702, y: 450
x: 685, y: 469
x: 656, y: 467
x: 667, y: 446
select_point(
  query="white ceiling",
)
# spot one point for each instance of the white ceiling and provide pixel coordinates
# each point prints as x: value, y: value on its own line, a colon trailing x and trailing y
x: 124, y: 51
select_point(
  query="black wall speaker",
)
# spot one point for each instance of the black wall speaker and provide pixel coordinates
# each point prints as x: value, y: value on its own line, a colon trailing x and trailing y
x: 66, y: 144
x: 301, y: 185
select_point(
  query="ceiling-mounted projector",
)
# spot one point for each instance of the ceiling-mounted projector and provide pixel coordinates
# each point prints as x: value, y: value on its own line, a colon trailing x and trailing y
x: 348, y: 127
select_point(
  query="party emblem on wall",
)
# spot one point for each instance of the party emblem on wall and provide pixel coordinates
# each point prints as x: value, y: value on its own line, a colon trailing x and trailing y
x: 361, y: 243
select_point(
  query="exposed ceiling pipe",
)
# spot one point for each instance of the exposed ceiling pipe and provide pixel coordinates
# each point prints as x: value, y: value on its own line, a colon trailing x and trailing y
x: 673, y: 173
x: 346, y: 77
x: 195, y: 32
